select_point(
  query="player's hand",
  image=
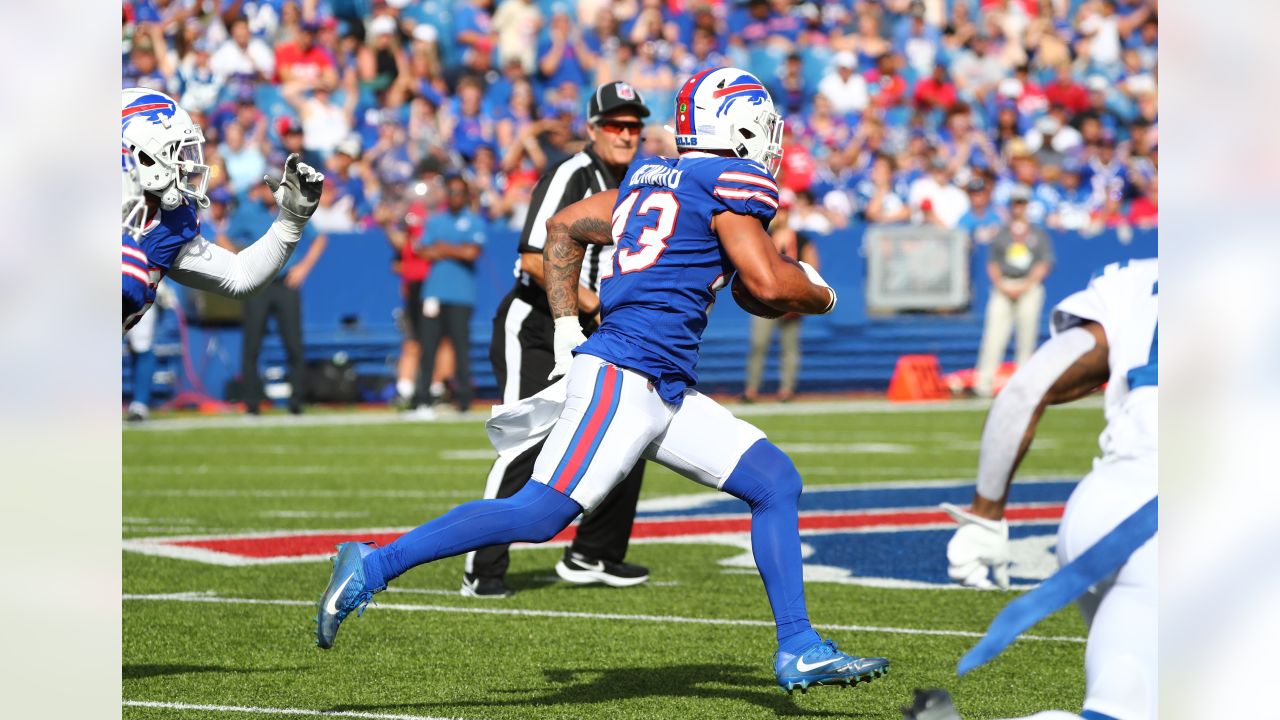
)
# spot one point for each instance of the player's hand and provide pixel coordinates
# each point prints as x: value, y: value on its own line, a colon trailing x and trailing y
x: 978, y: 549
x: 568, y: 336
x: 816, y: 279
x: 298, y: 192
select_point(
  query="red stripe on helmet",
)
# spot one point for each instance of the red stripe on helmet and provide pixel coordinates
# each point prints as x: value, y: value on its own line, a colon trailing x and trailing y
x: 736, y: 89
x: 684, y: 120
x: 143, y: 108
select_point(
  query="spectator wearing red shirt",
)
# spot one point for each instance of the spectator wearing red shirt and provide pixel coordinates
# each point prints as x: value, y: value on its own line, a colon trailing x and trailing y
x: 304, y: 62
x: 1065, y: 91
x: 935, y: 92
x: 798, y: 165
x: 885, y: 83
x: 1031, y: 99
x: 1143, y: 212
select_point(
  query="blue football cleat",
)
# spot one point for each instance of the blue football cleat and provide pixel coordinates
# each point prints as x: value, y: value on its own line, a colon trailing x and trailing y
x: 347, y: 591
x: 823, y: 664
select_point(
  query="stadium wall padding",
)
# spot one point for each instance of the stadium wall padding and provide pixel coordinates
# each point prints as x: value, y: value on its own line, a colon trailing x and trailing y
x: 351, y: 299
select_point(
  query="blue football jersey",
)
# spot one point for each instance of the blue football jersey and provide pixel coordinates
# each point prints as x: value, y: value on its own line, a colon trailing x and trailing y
x: 136, y: 291
x: 161, y: 241
x: 668, y: 264
x: 164, y: 239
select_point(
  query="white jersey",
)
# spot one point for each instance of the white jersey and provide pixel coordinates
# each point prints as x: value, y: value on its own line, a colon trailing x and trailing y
x: 1124, y: 298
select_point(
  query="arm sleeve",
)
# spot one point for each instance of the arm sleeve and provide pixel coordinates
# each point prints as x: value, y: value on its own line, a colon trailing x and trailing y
x: 1012, y: 410
x: 746, y: 188
x: 205, y: 266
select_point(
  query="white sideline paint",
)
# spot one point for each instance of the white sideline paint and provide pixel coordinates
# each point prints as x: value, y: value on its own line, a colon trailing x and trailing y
x: 838, y: 407
x: 209, y: 597
x: 275, y: 711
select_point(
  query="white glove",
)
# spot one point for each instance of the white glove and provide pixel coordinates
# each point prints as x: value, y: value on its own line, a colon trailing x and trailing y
x: 979, y: 546
x: 298, y: 192
x: 568, y: 336
x: 816, y: 279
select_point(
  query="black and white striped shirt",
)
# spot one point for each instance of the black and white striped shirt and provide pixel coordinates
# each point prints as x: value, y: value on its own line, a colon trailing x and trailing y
x: 578, y: 176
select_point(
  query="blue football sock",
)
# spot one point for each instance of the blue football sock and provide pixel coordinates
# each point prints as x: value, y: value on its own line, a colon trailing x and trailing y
x: 144, y: 367
x: 535, y: 514
x: 767, y: 479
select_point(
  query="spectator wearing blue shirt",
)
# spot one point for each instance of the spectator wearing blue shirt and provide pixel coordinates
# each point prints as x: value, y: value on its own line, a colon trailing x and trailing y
x: 340, y: 173
x: 281, y: 299
x: 472, y: 30
x: 566, y: 55
x: 452, y: 241
x: 471, y: 126
x: 980, y: 222
x: 790, y: 90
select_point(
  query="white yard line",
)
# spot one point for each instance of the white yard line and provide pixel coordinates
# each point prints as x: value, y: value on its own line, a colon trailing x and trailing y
x: 837, y: 407
x: 518, y: 612
x: 302, y: 712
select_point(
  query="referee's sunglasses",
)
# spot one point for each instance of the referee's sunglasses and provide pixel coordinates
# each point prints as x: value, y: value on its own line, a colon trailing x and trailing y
x: 616, y: 127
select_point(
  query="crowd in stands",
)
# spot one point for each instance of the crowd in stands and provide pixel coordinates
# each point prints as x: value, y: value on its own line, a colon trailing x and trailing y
x: 925, y: 111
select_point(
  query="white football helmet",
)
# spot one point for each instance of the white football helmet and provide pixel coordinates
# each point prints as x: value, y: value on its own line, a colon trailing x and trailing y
x: 729, y: 109
x: 133, y: 206
x: 167, y: 146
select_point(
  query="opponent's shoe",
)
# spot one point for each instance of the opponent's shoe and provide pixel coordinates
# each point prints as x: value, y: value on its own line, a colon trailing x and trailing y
x: 822, y: 663
x: 485, y: 588
x: 580, y: 569
x: 934, y: 704
x: 347, y: 591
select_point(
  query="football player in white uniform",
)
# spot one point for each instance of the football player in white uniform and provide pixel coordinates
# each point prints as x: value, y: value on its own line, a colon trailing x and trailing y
x: 1106, y: 333
x: 167, y: 148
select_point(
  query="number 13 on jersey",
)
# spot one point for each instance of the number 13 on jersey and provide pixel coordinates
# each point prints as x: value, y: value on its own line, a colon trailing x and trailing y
x: 660, y: 210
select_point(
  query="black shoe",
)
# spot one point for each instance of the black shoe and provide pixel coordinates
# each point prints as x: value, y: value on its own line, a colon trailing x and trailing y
x: 932, y: 704
x: 576, y: 568
x: 485, y: 588
x: 295, y: 409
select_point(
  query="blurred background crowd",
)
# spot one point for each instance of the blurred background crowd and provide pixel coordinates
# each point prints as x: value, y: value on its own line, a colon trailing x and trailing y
x: 897, y: 111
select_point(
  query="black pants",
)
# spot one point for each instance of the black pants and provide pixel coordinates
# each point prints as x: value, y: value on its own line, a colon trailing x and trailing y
x: 453, y: 321
x: 523, y: 354
x: 285, y: 304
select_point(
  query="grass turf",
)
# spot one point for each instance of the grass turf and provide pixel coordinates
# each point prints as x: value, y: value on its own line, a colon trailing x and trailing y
x: 441, y: 664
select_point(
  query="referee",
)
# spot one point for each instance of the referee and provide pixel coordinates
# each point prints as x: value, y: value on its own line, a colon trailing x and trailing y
x: 523, y: 355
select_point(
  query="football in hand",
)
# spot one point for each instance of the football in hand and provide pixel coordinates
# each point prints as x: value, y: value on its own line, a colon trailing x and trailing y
x: 751, y: 303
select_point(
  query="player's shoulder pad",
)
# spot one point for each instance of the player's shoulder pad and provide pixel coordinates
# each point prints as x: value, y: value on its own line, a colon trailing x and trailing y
x: 745, y: 185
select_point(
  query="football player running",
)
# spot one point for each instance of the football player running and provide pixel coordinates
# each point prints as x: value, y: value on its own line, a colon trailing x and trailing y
x: 681, y: 227
x: 1106, y: 333
x: 167, y: 148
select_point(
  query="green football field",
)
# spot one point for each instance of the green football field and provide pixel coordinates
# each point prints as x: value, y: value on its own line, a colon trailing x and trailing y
x: 202, y: 639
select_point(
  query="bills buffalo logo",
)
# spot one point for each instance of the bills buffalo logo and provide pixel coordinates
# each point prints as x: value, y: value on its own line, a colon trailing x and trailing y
x: 152, y: 107
x: 883, y: 535
x: 746, y: 88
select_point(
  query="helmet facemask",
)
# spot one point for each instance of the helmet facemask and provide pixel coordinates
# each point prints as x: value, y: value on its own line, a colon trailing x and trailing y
x: 133, y: 205
x: 175, y: 169
x: 761, y: 140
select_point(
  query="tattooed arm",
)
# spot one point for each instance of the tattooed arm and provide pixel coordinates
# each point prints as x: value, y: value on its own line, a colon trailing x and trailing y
x: 568, y: 233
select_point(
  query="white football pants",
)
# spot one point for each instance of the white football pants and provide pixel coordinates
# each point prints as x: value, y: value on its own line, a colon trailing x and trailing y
x: 612, y: 417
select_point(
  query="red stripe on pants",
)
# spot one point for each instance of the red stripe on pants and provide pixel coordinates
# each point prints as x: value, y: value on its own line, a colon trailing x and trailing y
x: 603, y: 402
